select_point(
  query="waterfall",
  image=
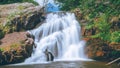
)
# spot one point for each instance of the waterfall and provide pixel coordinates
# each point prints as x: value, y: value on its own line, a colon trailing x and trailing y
x: 60, y: 35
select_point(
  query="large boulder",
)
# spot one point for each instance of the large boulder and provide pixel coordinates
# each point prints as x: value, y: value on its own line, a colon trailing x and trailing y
x: 20, y: 16
x: 100, y: 50
x: 15, y: 47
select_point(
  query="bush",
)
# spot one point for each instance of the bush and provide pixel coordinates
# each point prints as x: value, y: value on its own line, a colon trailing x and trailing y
x: 115, y: 36
x: 1, y: 49
x: 98, y: 14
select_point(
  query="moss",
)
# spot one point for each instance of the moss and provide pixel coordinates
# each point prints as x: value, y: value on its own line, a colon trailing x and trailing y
x: 10, y: 25
x: 1, y: 49
x: 2, y: 33
x: 20, y: 7
x: 14, y: 45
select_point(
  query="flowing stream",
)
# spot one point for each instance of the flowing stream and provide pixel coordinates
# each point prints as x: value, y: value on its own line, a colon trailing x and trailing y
x: 60, y: 35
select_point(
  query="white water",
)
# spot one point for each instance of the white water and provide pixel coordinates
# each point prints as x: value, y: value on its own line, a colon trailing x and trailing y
x: 45, y: 2
x: 61, y: 35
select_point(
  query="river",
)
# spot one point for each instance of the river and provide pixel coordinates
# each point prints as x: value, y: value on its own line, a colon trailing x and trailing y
x: 64, y: 64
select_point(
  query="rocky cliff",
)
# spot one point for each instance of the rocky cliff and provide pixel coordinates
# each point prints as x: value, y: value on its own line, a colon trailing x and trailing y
x: 98, y: 48
x: 15, y: 19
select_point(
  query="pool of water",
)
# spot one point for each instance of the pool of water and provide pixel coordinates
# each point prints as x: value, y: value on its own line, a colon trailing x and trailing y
x: 64, y: 64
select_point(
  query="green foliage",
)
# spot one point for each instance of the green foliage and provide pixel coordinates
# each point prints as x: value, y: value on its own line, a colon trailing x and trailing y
x: 98, y: 14
x: 92, y: 7
x: 115, y: 36
x: 2, y: 33
x: 68, y: 4
x: 102, y: 24
x: 103, y: 27
x: 17, y: 1
x: 1, y: 49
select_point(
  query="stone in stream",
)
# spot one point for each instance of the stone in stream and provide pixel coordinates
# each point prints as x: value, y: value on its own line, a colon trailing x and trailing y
x: 49, y: 55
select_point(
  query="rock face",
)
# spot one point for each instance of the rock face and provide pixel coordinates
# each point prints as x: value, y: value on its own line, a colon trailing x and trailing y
x: 102, y: 51
x: 15, y: 47
x: 15, y: 44
x: 20, y: 16
x: 99, y: 49
x: 30, y: 18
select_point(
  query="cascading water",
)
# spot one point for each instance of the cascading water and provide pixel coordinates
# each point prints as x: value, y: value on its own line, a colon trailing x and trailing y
x: 61, y: 36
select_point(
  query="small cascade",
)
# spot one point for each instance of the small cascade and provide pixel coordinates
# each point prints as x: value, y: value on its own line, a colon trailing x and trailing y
x: 61, y: 36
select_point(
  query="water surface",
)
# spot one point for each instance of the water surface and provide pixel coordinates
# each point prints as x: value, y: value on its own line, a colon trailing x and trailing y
x: 64, y: 64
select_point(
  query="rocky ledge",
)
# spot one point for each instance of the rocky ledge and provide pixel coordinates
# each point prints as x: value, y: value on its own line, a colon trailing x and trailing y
x: 15, y: 19
x: 100, y: 50
x: 15, y: 47
x: 20, y: 16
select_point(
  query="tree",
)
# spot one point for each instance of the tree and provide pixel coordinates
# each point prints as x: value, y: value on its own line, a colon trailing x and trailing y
x: 17, y: 1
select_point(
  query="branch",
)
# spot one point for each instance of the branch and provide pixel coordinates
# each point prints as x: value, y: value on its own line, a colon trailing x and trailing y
x: 113, y: 61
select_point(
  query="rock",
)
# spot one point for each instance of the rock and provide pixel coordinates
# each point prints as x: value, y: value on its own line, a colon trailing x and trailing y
x: 20, y: 16
x: 78, y: 13
x: 88, y: 32
x: 15, y: 44
x: 15, y: 48
x: 115, y: 23
x: 31, y: 17
x: 10, y: 9
x: 100, y: 50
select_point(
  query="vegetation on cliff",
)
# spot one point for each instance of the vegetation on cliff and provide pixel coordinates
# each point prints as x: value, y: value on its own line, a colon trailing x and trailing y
x: 103, y: 16
x: 101, y: 21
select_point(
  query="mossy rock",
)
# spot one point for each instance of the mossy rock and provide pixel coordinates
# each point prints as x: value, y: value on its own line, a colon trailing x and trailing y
x: 19, y: 16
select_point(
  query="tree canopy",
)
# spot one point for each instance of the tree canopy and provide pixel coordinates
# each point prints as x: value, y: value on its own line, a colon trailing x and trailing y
x: 17, y: 1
